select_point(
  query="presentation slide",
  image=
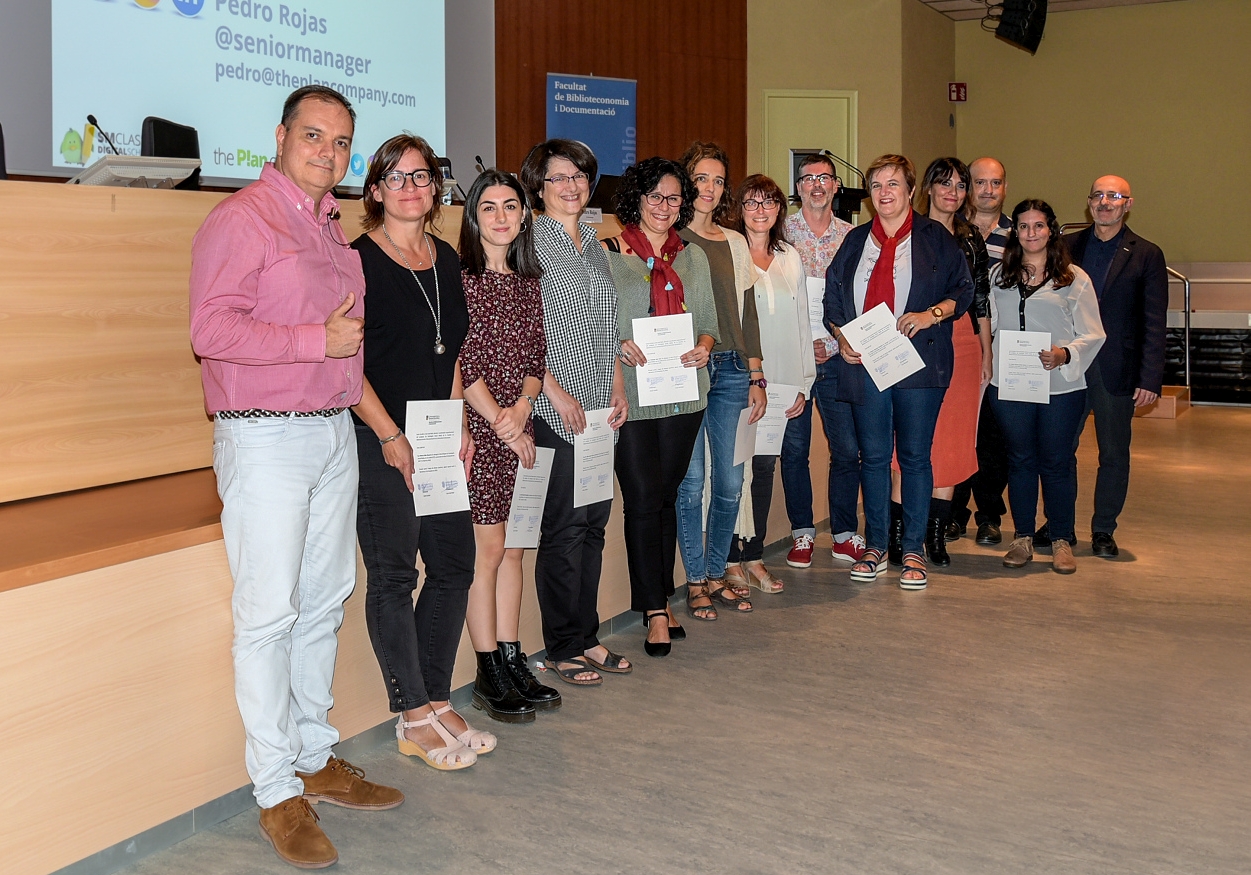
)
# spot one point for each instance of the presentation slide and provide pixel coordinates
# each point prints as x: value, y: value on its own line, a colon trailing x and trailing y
x: 224, y: 67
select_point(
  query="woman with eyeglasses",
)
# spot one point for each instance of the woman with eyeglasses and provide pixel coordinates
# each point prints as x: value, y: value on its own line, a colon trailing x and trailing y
x: 415, y: 323
x: 943, y: 196
x: 657, y: 274
x: 909, y: 263
x: 582, y: 373
x: 786, y: 344
x: 736, y: 381
x: 1037, y: 288
x: 501, y: 364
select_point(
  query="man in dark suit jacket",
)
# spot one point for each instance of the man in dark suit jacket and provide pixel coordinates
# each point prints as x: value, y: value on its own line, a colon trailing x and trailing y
x: 1131, y: 283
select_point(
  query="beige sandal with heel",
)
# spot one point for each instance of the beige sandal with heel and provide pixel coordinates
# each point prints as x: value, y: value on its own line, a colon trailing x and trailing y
x: 763, y: 579
x: 454, y: 755
x: 477, y: 740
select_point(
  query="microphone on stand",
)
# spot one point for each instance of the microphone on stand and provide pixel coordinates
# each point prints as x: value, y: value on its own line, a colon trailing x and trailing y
x: 481, y: 165
x: 91, y: 119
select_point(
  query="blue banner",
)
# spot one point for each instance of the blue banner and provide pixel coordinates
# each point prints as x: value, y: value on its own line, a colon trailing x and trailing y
x: 596, y: 111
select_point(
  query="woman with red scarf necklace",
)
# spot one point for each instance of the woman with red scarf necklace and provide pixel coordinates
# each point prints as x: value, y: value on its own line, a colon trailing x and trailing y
x: 657, y: 274
x: 910, y: 263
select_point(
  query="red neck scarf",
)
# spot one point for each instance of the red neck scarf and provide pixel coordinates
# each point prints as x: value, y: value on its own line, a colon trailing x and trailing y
x: 667, y: 296
x: 882, y: 281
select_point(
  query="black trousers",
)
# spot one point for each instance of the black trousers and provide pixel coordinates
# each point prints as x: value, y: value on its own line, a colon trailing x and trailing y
x: 652, y: 458
x: 761, y: 500
x: 570, y: 556
x: 986, y: 486
x: 415, y: 644
x: 1114, y: 419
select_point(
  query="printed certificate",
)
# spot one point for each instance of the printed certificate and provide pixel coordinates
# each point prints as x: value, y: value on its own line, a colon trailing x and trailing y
x: 593, y: 460
x: 1019, y: 370
x: 525, y: 515
x: 433, y: 428
x: 664, y: 379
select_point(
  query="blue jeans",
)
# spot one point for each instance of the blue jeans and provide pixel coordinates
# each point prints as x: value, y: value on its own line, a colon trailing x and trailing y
x: 288, y: 491
x: 727, y: 396
x: 844, y: 477
x: 901, y: 420
x: 1041, y: 442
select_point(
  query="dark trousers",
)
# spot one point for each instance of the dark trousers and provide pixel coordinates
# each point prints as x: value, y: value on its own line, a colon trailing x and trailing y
x: 652, y: 458
x: 843, y: 484
x: 987, y: 485
x: 1114, y: 418
x: 415, y: 644
x: 570, y: 554
x: 752, y: 550
x: 1040, y: 448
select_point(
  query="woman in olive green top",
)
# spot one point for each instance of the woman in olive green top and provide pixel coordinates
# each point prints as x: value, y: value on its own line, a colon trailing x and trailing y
x: 657, y: 274
x: 735, y: 381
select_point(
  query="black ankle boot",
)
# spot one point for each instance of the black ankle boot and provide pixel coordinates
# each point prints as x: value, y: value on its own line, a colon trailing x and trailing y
x: 894, y: 543
x: 493, y: 691
x: 524, y: 682
x: 936, y: 542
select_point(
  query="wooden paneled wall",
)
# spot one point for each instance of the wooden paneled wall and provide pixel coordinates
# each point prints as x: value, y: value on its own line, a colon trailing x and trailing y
x: 689, y: 57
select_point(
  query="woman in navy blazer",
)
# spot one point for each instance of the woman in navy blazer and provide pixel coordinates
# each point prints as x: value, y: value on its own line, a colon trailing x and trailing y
x: 926, y: 284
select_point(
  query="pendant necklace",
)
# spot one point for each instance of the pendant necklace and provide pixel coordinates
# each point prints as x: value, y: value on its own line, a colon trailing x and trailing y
x: 436, y: 309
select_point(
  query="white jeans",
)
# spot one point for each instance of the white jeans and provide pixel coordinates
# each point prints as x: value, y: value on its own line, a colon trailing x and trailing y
x: 288, y: 490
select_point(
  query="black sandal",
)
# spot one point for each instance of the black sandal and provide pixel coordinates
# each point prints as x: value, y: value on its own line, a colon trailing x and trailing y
x: 570, y: 675
x: 614, y: 663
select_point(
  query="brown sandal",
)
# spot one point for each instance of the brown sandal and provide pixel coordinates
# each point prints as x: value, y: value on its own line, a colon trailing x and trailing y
x: 736, y: 581
x: 695, y: 592
x: 737, y: 605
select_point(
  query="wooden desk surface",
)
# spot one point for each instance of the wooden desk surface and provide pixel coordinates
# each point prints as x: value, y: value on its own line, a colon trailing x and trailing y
x: 58, y: 535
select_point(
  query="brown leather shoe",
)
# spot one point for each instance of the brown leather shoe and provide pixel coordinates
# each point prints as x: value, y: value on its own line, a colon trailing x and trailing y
x: 291, y: 827
x: 341, y: 783
x: 1020, y: 552
x: 1062, y: 561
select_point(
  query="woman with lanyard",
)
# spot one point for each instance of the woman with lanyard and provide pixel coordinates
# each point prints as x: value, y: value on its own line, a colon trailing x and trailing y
x: 736, y: 381
x: 657, y: 274
x: 910, y: 264
x: 1037, y: 288
x: 943, y: 196
x: 580, y: 326
x: 501, y: 364
x: 415, y: 322
x: 786, y: 345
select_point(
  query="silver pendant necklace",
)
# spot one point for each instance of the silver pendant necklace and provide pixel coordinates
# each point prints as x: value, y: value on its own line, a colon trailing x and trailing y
x: 436, y: 309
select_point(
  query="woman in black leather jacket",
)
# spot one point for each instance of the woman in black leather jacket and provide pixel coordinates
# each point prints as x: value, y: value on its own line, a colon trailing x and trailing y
x: 943, y: 197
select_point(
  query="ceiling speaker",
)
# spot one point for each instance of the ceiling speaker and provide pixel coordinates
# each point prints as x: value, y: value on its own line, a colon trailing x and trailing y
x: 1021, y: 23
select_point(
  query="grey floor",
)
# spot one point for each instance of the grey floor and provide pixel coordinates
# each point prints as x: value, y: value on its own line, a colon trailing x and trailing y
x: 999, y: 722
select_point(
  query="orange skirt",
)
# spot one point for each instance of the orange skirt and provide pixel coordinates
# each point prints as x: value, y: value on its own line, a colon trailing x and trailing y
x: 954, y: 455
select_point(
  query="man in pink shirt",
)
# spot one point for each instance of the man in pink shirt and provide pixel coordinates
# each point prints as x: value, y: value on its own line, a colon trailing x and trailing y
x: 277, y: 297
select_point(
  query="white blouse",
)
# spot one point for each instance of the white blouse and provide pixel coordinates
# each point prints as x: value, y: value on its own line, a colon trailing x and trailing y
x: 1070, y: 314
x: 903, y: 273
x: 785, y: 331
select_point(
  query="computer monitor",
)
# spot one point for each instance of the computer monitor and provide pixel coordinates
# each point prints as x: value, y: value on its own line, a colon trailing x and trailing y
x: 165, y: 139
x: 605, y: 188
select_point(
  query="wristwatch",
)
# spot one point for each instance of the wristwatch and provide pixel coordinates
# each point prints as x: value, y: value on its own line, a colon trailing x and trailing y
x: 937, y: 313
x: 762, y: 382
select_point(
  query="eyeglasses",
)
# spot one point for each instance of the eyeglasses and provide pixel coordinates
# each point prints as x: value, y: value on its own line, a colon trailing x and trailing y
x: 394, y: 180
x: 816, y: 179
x: 655, y: 198
x: 1114, y: 197
x: 561, y: 179
x: 752, y: 204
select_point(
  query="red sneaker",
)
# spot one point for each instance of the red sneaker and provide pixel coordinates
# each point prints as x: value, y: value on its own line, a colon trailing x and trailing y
x: 849, y: 551
x: 801, y: 552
